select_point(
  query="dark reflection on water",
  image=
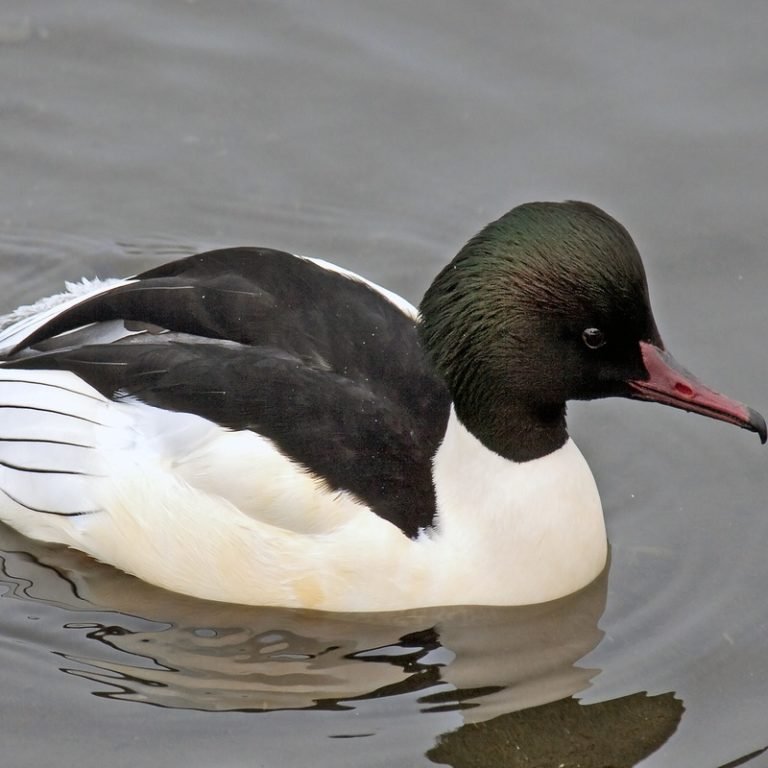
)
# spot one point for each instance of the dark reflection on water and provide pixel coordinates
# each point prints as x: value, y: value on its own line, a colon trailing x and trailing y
x: 615, y: 733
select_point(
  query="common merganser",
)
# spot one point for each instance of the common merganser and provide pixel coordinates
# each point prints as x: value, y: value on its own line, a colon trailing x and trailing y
x: 251, y: 426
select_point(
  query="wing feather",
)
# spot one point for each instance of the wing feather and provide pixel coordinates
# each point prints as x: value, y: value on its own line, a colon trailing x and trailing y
x: 326, y: 366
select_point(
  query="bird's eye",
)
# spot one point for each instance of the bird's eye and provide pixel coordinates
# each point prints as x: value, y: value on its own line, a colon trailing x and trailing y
x: 594, y: 338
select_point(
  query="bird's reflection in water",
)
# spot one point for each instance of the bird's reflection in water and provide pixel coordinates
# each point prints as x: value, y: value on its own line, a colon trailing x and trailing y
x: 511, y: 672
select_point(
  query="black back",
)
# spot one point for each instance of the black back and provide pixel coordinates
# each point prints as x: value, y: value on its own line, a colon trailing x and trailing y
x: 321, y: 364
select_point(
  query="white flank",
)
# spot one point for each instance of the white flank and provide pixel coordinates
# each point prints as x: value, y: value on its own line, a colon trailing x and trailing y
x: 513, y: 533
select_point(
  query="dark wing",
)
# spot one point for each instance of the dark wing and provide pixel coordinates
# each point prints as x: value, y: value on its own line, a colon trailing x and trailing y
x: 323, y: 365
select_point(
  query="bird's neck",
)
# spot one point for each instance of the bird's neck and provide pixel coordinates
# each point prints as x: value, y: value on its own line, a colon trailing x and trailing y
x: 512, y: 429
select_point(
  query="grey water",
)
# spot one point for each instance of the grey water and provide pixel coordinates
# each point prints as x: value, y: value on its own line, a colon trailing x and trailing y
x: 381, y: 136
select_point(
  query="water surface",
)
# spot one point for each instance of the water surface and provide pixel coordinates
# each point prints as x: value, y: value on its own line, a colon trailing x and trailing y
x: 381, y: 136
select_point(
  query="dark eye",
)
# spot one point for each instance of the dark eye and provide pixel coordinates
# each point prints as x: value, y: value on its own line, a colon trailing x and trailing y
x: 594, y: 338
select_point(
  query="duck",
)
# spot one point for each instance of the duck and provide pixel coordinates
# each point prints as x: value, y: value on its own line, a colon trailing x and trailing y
x: 252, y: 426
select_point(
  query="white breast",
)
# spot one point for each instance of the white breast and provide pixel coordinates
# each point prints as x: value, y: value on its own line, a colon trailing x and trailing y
x: 514, y: 533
